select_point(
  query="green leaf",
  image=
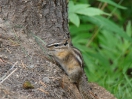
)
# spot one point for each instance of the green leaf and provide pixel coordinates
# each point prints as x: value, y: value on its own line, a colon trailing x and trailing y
x: 78, y: 40
x: 113, y: 3
x: 80, y: 6
x: 101, y: 58
x: 108, y: 25
x: 83, y: 35
x: 74, y: 19
x: 82, y: 28
x: 91, y: 11
x: 129, y: 28
x: 70, y: 4
x: 116, y: 13
x: 73, y: 8
x: 70, y: 7
x: 88, y: 63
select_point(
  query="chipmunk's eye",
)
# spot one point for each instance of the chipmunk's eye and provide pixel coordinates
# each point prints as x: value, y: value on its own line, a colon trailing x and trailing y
x: 56, y: 45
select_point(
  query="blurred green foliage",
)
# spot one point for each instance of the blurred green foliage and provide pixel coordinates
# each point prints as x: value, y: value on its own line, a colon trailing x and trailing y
x: 102, y: 30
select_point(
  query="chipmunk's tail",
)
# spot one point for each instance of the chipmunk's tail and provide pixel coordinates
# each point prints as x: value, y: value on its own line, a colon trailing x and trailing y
x: 85, y: 89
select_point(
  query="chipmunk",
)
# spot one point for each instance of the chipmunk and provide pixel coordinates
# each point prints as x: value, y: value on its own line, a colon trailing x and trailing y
x: 69, y: 58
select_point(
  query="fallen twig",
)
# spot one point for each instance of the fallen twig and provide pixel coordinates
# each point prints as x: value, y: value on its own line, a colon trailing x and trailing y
x: 10, y: 73
x: 43, y: 91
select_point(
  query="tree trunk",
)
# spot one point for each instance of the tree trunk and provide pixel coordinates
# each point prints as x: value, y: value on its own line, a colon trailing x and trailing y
x: 25, y: 27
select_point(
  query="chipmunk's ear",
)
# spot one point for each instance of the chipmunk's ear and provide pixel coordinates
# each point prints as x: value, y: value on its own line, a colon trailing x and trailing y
x: 69, y: 39
x: 67, y: 42
x: 70, y: 42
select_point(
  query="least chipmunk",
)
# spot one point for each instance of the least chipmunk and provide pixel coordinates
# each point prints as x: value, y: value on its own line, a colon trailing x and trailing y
x: 69, y: 58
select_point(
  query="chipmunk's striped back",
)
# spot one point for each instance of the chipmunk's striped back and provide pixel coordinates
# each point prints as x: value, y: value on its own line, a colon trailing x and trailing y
x: 69, y: 58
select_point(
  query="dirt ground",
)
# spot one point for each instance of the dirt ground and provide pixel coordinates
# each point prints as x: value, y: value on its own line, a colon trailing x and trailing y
x: 21, y: 60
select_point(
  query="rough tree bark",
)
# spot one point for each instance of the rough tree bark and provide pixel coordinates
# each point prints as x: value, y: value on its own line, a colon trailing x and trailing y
x: 21, y: 56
